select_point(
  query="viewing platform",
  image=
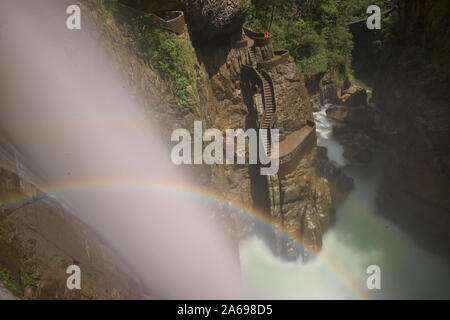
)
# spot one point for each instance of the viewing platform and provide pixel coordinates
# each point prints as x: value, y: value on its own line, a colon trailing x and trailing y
x: 172, y: 21
x: 260, y: 39
x: 280, y: 57
x: 296, y: 146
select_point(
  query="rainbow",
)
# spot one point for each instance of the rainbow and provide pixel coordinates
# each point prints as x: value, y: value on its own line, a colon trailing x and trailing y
x: 194, y: 191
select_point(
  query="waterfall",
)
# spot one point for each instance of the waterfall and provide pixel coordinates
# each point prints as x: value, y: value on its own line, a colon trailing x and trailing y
x: 360, y: 238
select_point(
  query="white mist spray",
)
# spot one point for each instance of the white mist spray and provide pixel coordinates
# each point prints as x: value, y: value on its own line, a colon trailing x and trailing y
x: 74, y: 125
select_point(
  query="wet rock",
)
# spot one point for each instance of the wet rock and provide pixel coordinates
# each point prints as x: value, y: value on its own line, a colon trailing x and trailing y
x: 316, y: 104
x: 40, y: 239
x: 306, y: 207
x: 323, y: 89
x: 356, y: 128
x: 359, y: 154
x: 354, y: 96
x: 341, y: 184
x: 355, y: 117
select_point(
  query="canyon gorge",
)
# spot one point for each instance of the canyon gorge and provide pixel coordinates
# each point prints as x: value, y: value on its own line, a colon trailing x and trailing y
x: 364, y: 157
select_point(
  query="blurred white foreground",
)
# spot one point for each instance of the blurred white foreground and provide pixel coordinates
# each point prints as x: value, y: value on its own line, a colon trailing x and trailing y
x: 75, y: 130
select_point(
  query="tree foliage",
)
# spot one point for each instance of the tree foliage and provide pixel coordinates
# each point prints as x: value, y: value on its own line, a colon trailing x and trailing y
x: 312, y: 30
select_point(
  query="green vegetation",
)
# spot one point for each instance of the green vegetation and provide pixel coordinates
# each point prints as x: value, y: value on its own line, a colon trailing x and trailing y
x: 16, y: 267
x: 10, y: 283
x: 27, y: 279
x: 173, y: 57
x: 170, y: 55
x: 313, y: 31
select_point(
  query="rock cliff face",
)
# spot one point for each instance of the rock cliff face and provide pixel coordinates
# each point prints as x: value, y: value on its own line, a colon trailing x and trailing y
x: 305, y: 197
x: 227, y: 104
x: 415, y: 100
x: 304, y: 201
x: 327, y: 87
x: 358, y: 128
x: 39, y: 239
x: 207, y: 19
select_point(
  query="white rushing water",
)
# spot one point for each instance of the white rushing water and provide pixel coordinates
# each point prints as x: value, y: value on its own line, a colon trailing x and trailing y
x: 361, y: 237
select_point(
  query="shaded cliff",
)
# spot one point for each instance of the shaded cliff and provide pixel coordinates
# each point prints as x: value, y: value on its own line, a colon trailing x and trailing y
x: 39, y: 239
x: 412, y: 90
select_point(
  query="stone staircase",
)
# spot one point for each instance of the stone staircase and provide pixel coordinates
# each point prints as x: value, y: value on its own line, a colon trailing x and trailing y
x: 252, y: 56
x: 269, y: 111
x: 268, y: 101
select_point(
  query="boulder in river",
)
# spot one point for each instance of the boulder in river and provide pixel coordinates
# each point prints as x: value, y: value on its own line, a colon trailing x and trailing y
x: 356, y: 128
x: 354, y: 96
